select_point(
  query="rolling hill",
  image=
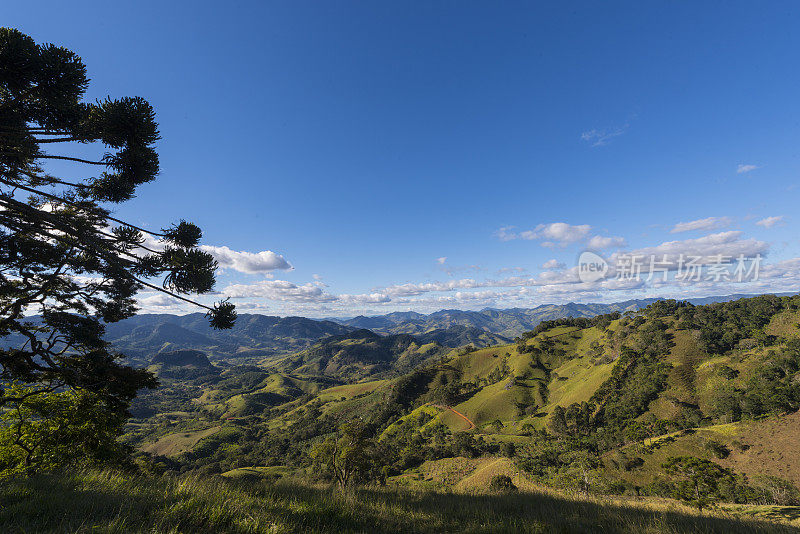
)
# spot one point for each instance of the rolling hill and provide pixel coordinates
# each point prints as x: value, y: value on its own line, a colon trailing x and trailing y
x: 718, y: 382
x: 255, y: 336
x: 360, y: 354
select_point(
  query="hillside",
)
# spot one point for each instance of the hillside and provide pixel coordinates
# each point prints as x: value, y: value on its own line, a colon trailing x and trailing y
x: 254, y: 336
x: 258, y: 336
x: 182, y: 358
x: 360, y: 354
x: 600, y: 403
x: 459, y: 336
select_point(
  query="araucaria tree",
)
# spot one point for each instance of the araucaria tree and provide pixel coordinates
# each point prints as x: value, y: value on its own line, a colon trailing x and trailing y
x: 67, y: 266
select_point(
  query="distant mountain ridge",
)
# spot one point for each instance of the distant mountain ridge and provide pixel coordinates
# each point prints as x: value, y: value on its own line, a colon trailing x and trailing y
x: 141, y: 336
x: 508, y: 323
x: 253, y: 335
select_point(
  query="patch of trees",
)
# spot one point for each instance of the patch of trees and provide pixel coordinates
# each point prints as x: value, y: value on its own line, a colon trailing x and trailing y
x: 565, y: 462
x: 663, y: 308
x: 575, y: 421
x: 725, y: 324
x: 635, y: 381
x: 702, y: 483
x: 57, y: 431
x: 773, y: 388
x: 502, y: 484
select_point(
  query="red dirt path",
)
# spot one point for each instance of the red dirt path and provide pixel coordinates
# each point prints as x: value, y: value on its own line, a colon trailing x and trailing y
x: 461, y: 415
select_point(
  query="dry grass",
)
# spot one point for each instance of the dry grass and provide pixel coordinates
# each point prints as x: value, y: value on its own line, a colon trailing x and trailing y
x: 111, y: 502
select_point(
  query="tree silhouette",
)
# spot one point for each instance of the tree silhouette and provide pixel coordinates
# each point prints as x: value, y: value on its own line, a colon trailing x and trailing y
x: 63, y: 257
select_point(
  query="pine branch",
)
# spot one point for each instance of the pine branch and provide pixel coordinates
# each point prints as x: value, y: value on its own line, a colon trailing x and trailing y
x: 59, y: 140
x: 48, y: 178
x: 171, y: 294
x: 68, y: 158
x: 101, y: 250
x: 75, y: 205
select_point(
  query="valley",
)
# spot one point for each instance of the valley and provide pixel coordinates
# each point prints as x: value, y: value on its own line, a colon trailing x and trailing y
x: 579, y: 405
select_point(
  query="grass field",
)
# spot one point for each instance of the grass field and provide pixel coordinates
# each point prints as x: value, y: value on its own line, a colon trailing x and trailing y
x: 178, y: 442
x: 348, y: 391
x: 107, y: 502
x: 763, y: 447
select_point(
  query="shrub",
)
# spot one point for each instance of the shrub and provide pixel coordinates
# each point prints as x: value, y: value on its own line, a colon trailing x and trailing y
x: 738, y: 445
x: 776, y: 490
x: 633, y: 463
x: 502, y: 483
x: 717, y: 449
x: 728, y: 372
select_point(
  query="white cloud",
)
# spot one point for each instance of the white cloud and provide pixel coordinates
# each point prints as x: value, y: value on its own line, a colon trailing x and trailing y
x: 553, y: 264
x: 709, y: 223
x: 411, y: 289
x: 769, y: 222
x: 151, y: 302
x: 601, y: 242
x: 602, y: 137
x: 248, y: 262
x: 371, y: 298
x: 560, y: 235
x: 786, y: 271
x: 708, y: 248
x: 555, y: 234
x: 504, y: 270
x: 506, y: 233
x: 158, y: 300
x: 556, y: 284
x: 244, y: 262
x: 741, y: 169
x: 281, y: 290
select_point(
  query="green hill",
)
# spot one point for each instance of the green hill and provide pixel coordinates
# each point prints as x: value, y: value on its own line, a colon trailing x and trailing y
x: 582, y: 404
x: 182, y: 358
x: 360, y: 354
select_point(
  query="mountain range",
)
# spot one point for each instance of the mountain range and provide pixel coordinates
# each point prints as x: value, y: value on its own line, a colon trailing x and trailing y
x: 254, y: 335
x: 141, y: 336
x: 508, y: 323
x: 260, y: 336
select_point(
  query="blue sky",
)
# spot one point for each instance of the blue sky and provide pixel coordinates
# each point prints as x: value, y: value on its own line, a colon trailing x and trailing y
x: 436, y: 155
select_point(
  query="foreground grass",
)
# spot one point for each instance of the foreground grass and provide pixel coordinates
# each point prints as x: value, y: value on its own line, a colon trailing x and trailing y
x: 112, y: 502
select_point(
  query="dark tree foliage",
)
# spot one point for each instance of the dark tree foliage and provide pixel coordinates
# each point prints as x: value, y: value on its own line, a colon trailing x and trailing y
x: 63, y: 256
x: 723, y: 325
x: 662, y: 308
x: 635, y: 381
x: 701, y: 483
x: 775, y: 387
x: 502, y: 483
x: 601, y: 321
